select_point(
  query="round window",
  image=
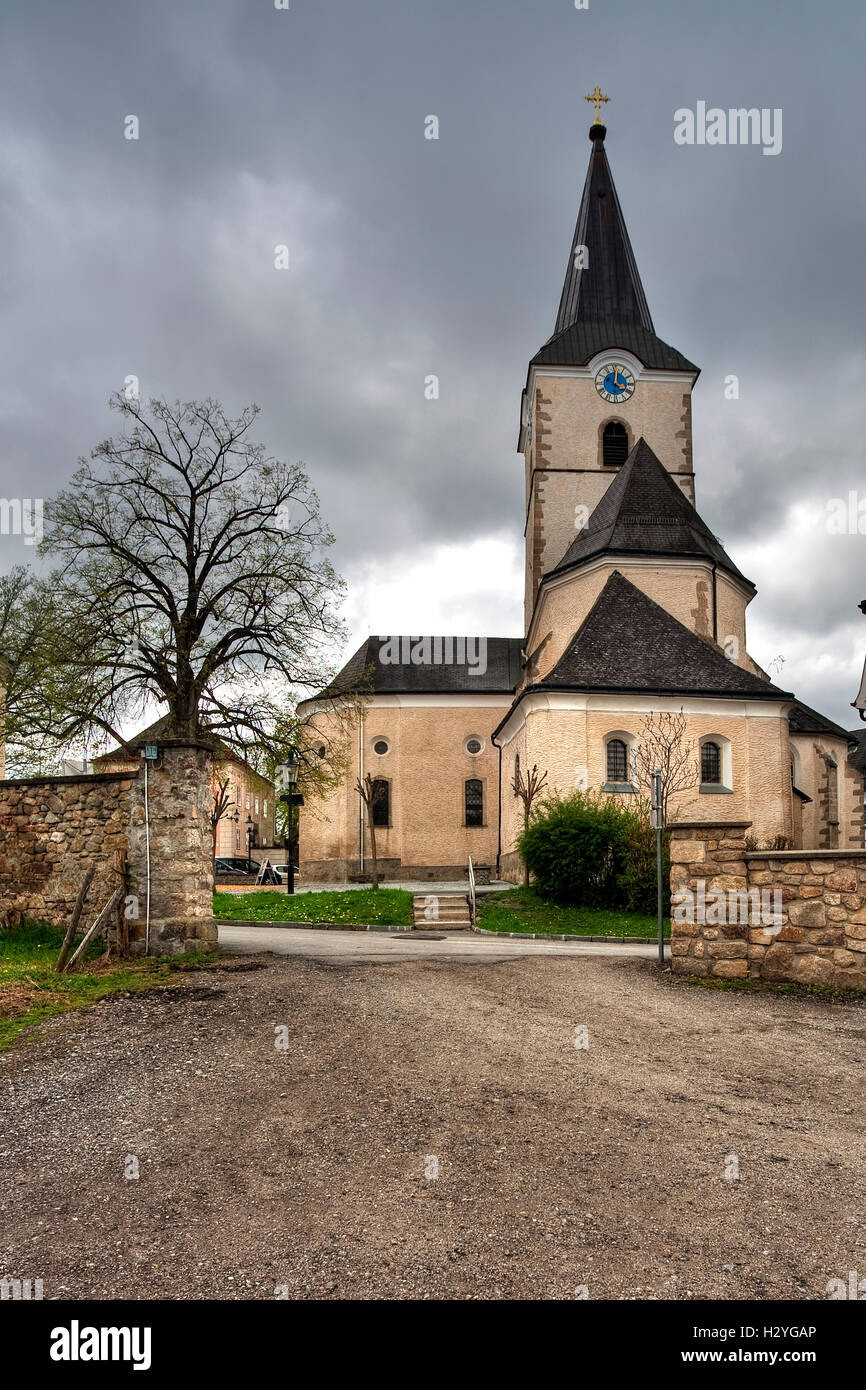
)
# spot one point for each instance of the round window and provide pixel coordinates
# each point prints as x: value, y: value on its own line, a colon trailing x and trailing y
x: 474, y: 745
x: 381, y: 746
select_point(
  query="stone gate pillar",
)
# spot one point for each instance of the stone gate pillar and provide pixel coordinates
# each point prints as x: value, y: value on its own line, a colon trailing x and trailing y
x: 178, y: 814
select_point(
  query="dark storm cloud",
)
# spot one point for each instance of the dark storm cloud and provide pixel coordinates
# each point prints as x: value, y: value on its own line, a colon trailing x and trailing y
x: 412, y: 257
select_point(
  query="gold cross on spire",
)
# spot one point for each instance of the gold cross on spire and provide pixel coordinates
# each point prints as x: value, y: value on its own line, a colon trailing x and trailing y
x: 598, y: 97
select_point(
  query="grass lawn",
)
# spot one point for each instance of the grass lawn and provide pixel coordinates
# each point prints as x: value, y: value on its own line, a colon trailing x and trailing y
x: 370, y: 906
x: 523, y: 910
x: 31, y: 990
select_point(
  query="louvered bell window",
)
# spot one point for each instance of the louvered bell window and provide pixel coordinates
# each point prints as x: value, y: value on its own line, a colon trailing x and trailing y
x: 614, y: 445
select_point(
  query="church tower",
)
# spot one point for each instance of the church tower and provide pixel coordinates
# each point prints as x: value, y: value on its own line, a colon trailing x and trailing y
x: 603, y: 381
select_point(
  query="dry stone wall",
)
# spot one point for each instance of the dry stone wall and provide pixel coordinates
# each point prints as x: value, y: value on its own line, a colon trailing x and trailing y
x: 53, y: 829
x: 782, y: 915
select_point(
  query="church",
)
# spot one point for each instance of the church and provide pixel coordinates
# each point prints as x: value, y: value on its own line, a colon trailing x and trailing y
x: 633, y: 611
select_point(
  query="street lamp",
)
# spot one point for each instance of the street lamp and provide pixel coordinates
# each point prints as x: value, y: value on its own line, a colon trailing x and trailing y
x: 249, y: 842
x: 288, y: 774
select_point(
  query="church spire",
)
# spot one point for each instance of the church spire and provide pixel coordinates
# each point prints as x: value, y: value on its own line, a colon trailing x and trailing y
x: 602, y: 284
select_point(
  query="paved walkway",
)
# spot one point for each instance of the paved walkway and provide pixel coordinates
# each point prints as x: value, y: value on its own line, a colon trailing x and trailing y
x: 457, y: 885
x: 384, y: 946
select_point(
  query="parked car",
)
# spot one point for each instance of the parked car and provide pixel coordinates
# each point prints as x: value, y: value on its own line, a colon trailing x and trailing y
x: 236, y: 866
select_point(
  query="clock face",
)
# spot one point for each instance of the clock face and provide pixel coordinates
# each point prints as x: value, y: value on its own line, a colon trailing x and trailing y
x: 614, y: 382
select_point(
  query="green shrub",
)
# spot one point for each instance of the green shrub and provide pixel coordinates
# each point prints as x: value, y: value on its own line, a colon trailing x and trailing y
x: 590, y: 850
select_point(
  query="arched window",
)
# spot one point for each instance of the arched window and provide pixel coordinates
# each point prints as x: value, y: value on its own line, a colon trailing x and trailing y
x: 617, y: 760
x: 711, y: 764
x: 474, y: 794
x: 381, y: 801
x: 614, y: 444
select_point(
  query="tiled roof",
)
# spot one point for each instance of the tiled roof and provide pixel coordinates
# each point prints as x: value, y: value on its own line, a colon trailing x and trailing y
x: 645, y: 512
x: 576, y: 345
x: 857, y: 758
x: 627, y: 642
x: 802, y: 719
x: 398, y: 666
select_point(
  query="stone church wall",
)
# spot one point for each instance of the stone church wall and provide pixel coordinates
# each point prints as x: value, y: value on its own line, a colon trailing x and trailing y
x: 819, y: 935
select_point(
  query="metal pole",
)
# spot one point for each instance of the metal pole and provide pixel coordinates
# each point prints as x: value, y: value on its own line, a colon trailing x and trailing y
x: 290, y: 865
x: 657, y: 809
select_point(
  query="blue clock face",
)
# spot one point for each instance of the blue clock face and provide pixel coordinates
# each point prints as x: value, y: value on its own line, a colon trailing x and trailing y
x: 614, y: 382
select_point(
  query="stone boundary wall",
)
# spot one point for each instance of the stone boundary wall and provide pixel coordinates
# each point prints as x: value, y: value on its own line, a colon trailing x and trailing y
x: 821, y: 934
x: 51, y: 830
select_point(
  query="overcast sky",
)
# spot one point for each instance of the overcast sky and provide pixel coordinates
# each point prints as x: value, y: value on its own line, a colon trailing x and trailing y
x: 305, y: 127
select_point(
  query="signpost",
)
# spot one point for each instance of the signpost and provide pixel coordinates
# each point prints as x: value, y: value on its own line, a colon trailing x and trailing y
x: 657, y: 821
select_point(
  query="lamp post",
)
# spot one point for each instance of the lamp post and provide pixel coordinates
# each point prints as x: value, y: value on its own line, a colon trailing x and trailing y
x: 289, y: 780
x: 249, y: 841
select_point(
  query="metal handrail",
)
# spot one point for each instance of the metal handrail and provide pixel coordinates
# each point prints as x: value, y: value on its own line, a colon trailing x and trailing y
x: 471, y: 892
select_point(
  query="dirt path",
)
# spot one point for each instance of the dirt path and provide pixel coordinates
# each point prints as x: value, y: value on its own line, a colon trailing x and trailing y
x: 558, y: 1167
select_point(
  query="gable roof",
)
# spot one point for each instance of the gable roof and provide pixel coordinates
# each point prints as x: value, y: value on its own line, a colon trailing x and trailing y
x: 161, y: 732
x: 628, y: 643
x: 367, y: 672
x: 645, y: 512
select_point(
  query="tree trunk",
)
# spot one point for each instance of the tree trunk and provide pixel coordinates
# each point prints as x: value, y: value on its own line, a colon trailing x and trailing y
x: 375, y: 867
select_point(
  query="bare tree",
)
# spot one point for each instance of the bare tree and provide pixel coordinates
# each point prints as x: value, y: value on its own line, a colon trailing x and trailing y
x: 527, y: 787
x: 664, y: 746
x: 28, y: 670
x: 192, y: 576
x: 371, y: 792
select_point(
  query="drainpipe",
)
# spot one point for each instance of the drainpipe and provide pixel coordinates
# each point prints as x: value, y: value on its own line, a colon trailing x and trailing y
x: 715, y: 607
x: 147, y: 862
x: 499, y: 808
x: 360, y: 798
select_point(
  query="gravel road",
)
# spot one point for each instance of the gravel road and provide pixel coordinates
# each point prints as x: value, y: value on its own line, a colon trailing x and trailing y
x: 431, y: 1130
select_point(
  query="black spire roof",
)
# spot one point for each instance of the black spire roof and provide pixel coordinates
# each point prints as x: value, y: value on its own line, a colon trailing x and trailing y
x: 608, y: 289
x: 603, y: 304
x: 645, y: 512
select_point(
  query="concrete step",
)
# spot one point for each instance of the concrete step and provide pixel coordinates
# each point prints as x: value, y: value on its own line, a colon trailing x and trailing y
x: 451, y: 909
x: 429, y: 914
x: 442, y: 926
x: 439, y: 900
